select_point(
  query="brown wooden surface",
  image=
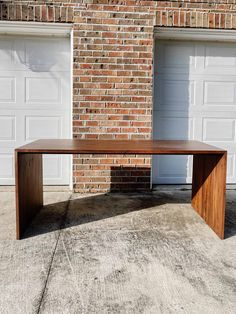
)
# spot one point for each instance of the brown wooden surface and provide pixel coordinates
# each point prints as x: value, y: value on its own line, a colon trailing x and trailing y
x: 209, y: 173
x: 60, y: 146
x: 209, y: 188
x: 29, y: 189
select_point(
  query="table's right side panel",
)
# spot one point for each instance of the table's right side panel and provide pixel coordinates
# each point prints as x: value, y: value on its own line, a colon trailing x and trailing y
x: 209, y: 188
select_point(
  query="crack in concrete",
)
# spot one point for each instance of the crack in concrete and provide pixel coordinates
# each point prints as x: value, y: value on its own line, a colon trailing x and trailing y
x: 75, y: 283
x: 61, y: 227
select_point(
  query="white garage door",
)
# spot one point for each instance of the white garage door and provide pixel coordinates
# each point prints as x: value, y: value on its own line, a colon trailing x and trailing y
x: 195, y: 98
x: 34, y: 100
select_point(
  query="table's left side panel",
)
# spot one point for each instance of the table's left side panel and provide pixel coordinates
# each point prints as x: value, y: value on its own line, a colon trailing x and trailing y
x: 29, y: 189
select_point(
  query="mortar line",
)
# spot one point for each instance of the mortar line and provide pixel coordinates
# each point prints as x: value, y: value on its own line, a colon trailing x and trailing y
x: 62, y: 224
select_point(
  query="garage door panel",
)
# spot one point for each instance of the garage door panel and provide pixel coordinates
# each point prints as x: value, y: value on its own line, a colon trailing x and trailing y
x: 35, y: 91
x: 7, y: 89
x: 43, y: 90
x: 7, y: 53
x: 219, y: 130
x: 231, y: 166
x: 7, y: 128
x: 218, y: 56
x: 174, y: 128
x: 41, y: 54
x: 9, y: 135
x: 34, y: 100
x: 47, y: 55
x: 182, y: 94
x: 165, y: 170
x: 177, y: 60
x: 219, y: 93
x: 52, y: 166
x: 44, y: 127
x: 209, y: 115
x: 195, y: 58
x: 6, y: 167
x: 54, y: 171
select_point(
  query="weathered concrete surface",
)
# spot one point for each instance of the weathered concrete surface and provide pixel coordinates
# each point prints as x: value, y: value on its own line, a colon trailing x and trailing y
x: 130, y: 253
x: 25, y: 264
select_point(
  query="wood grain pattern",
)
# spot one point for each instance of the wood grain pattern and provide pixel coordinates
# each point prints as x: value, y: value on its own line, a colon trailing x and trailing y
x: 209, y: 188
x: 60, y: 146
x: 29, y: 189
x: 209, y: 173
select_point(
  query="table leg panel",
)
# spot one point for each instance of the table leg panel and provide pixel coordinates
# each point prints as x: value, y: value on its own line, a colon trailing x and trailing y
x: 209, y: 188
x: 29, y: 189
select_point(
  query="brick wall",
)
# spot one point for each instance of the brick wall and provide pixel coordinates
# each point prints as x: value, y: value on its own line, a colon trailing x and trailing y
x: 113, y: 90
x: 112, y: 87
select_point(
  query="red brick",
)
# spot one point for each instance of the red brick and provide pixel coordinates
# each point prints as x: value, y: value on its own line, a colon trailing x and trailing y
x: 112, y: 70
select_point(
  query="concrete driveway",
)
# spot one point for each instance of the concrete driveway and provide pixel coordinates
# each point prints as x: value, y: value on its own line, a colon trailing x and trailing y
x: 117, y: 253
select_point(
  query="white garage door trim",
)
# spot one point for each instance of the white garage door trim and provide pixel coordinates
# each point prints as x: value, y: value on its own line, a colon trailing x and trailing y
x: 35, y: 28
x: 194, y: 34
x: 46, y: 30
x: 183, y: 34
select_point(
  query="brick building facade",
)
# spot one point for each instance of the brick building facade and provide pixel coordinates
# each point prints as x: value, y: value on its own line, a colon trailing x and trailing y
x: 113, y: 72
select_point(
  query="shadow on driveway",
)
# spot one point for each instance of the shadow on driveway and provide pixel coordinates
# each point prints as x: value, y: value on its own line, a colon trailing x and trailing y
x: 83, y: 210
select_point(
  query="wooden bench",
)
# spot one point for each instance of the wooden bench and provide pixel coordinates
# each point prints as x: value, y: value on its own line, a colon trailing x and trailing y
x: 208, y: 181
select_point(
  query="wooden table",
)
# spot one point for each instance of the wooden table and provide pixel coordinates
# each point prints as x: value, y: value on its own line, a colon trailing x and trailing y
x: 208, y: 182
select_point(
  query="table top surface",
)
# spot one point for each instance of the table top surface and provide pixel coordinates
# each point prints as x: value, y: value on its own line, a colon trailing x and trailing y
x: 137, y: 147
